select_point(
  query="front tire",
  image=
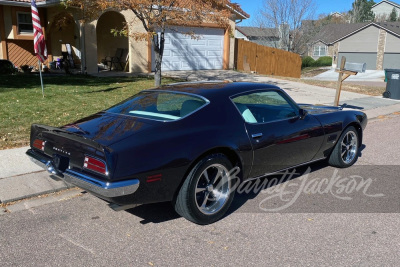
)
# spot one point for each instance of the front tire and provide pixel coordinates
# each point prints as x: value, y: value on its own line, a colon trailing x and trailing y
x: 207, y: 192
x: 345, y: 152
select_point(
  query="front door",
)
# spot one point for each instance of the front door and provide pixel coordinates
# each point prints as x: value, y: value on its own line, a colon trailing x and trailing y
x: 280, y: 137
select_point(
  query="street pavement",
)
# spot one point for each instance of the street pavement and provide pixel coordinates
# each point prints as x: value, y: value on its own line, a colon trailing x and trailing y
x: 77, y: 229
x: 20, y: 178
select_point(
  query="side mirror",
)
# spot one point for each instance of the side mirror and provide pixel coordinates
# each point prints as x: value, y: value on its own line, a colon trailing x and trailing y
x: 302, y: 113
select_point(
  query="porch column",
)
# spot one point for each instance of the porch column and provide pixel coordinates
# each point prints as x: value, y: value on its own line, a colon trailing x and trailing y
x: 90, y: 47
x: 3, y: 44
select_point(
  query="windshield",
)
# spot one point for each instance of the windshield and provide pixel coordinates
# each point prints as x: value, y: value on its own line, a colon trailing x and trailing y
x: 159, y: 105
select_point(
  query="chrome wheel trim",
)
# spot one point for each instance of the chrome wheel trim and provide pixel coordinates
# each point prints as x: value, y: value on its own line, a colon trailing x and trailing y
x: 212, y: 189
x: 349, y: 147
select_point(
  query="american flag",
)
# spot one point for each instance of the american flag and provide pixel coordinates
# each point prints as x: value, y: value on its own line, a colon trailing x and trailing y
x: 38, y: 42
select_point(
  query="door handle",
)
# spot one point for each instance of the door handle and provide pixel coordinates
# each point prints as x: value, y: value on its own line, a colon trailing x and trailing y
x: 257, y: 135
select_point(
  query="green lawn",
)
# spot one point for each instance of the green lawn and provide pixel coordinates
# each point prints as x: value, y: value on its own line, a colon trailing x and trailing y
x: 67, y: 98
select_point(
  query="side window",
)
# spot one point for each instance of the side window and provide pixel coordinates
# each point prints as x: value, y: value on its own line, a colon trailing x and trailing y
x: 264, y: 106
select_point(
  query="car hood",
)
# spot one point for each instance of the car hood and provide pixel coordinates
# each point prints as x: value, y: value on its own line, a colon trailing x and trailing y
x: 107, y: 128
x: 319, y: 109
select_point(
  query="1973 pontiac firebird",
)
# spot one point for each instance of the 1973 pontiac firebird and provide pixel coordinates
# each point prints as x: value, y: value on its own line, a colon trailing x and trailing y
x: 180, y: 142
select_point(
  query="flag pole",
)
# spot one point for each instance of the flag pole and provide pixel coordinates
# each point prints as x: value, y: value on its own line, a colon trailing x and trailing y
x: 41, y: 78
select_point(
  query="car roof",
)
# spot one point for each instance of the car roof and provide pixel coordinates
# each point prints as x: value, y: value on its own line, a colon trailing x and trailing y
x: 215, y: 89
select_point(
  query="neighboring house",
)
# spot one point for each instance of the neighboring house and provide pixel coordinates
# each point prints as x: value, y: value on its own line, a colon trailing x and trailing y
x: 383, y: 9
x: 272, y: 37
x: 93, y: 41
x: 376, y: 44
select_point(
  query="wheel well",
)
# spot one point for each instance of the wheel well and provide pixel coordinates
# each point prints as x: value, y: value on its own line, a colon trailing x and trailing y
x: 232, y: 156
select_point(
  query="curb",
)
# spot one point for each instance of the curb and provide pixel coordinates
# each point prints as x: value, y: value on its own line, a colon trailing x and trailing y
x: 29, y: 185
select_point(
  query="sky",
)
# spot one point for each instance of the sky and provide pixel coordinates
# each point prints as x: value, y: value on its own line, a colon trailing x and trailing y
x: 323, y: 6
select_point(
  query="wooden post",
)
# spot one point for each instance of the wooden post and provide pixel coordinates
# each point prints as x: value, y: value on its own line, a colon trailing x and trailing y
x: 343, y: 75
x: 340, y: 81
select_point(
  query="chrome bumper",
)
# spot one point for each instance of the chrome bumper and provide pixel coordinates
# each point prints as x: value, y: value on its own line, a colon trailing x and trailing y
x: 86, y: 182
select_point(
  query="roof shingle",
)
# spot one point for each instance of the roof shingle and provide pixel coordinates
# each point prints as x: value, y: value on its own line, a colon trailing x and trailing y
x: 331, y: 33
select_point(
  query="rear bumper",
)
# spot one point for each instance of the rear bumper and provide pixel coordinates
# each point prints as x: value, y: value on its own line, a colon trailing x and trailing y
x: 86, y: 182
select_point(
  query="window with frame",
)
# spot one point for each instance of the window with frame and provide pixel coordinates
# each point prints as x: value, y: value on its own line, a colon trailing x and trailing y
x: 320, y: 50
x: 24, y: 20
x: 160, y: 105
x: 265, y: 106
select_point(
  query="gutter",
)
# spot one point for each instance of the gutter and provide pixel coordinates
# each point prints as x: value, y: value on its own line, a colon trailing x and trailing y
x: 237, y: 12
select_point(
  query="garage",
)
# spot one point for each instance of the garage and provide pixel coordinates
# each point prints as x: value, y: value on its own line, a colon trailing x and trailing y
x: 391, y: 58
x: 391, y: 61
x: 369, y: 58
x: 182, y: 52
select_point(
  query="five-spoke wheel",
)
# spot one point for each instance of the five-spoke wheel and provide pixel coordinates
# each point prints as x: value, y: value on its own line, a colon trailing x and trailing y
x: 207, y: 192
x: 345, y: 152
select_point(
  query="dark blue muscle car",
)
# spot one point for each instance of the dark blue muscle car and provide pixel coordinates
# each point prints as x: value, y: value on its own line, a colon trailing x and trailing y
x: 182, y: 143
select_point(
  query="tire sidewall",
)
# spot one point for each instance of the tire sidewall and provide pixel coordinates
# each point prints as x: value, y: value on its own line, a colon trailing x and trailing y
x: 194, y: 176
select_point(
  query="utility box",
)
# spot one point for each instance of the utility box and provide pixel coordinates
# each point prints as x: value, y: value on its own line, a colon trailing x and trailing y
x: 356, y: 67
x: 393, y: 84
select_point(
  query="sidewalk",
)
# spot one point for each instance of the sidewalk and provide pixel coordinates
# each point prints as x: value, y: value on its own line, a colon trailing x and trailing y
x: 20, y: 178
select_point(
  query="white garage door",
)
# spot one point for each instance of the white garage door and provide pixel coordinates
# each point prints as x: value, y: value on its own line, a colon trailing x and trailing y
x: 181, y: 52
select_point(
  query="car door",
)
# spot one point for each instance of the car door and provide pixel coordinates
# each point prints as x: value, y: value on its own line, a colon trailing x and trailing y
x: 281, y: 134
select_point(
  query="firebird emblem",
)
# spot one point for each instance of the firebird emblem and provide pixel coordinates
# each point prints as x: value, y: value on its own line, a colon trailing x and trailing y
x: 62, y: 151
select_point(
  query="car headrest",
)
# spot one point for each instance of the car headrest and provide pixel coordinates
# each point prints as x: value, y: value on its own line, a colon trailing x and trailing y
x: 246, y: 113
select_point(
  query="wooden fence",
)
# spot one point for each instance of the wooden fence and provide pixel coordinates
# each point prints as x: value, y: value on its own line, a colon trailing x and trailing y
x: 251, y: 57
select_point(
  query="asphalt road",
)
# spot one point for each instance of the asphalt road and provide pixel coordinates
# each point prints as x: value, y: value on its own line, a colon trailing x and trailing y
x: 317, y: 230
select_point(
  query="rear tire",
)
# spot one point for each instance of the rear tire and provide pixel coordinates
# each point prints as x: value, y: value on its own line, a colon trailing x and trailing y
x: 207, y: 191
x: 346, y: 149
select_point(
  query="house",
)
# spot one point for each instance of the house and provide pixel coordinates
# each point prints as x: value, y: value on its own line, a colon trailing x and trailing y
x: 92, y: 41
x: 383, y: 9
x: 376, y: 44
x: 272, y: 37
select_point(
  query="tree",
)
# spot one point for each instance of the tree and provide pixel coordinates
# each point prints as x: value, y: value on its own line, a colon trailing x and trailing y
x: 362, y: 11
x: 393, y: 15
x: 156, y: 16
x: 276, y: 13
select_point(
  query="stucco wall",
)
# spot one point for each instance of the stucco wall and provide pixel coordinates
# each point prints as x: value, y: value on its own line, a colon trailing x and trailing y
x: 363, y: 41
x: 232, y: 45
x: 8, y: 22
x: 91, y: 47
x: 138, y: 50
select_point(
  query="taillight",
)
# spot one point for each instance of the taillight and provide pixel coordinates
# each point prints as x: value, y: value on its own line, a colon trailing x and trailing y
x: 94, y: 164
x: 39, y: 144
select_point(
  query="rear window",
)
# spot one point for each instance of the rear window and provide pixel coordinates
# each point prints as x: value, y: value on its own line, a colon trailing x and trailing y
x: 160, y: 105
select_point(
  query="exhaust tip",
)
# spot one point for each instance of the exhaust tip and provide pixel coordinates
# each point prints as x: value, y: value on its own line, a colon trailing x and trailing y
x: 50, y: 168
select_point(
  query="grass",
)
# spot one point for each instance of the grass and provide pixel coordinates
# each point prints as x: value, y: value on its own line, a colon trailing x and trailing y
x: 312, y: 71
x: 67, y: 98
